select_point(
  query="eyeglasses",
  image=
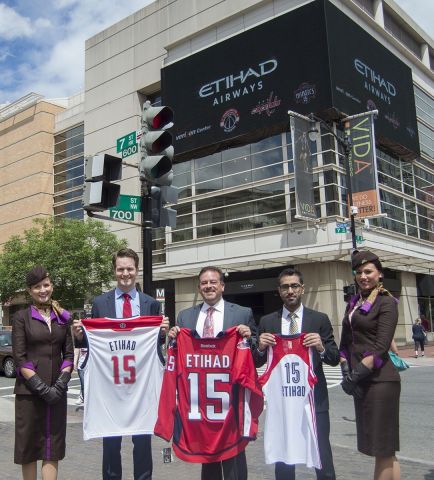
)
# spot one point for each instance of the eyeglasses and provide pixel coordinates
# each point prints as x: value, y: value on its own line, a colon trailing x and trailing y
x: 293, y: 286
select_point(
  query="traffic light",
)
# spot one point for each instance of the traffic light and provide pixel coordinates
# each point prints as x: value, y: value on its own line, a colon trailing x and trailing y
x: 99, y: 193
x: 163, y: 216
x: 156, y: 145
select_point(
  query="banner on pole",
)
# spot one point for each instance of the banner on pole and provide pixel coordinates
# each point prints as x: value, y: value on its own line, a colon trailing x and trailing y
x: 359, y: 129
x: 302, y: 151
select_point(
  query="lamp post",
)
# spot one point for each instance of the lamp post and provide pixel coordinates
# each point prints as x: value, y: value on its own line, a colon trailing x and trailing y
x: 346, y: 145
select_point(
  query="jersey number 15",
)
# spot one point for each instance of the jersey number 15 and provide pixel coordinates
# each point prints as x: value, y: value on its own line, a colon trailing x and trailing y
x: 129, y: 369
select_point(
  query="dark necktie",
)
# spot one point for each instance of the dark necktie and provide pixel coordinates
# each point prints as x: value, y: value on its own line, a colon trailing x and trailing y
x: 127, y: 311
x: 208, y: 327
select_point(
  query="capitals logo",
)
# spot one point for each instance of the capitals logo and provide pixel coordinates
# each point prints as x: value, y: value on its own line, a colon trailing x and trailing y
x: 229, y: 120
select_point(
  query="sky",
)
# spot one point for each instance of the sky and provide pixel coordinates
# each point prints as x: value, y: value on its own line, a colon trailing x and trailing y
x: 42, y: 41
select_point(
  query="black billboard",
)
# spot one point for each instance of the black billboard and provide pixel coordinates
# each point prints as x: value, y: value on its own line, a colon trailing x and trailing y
x: 312, y: 59
x: 241, y: 89
x: 366, y: 76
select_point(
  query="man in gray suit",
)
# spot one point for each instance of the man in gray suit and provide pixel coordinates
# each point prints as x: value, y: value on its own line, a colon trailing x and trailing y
x: 294, y: 318
x: 224, y: 315
x: 122, y: 302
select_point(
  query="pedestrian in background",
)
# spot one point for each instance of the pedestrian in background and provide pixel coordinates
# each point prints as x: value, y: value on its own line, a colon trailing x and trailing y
x: 368, y: 373
x: 419, y: 336
x: 44, y: 355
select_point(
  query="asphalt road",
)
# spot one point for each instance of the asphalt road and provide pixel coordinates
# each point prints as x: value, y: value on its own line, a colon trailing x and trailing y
x: 83, y: 460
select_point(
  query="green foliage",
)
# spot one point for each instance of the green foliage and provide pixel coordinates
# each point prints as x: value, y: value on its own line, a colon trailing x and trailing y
x: 77, y: 255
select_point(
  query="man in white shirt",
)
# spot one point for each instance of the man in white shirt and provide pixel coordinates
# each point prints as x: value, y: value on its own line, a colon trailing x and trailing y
x: 292, y: 319
x: 210, y: 318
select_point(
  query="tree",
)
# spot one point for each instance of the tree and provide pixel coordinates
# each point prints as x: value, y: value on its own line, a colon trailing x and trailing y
x: 77, y: 255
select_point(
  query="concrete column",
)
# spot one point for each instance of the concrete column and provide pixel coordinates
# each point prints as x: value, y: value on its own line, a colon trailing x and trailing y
x: 324, y: 284
x: 408, y: 307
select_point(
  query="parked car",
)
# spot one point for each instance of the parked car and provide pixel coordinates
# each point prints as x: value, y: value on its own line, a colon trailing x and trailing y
x: 7, y: 364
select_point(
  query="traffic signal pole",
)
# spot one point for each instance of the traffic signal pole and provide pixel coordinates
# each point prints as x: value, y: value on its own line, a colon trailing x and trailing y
x: 346, y: 144
x: 146, y: 209
x: 155, y: 169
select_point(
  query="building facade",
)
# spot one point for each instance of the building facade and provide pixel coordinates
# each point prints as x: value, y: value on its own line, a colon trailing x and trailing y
x: 237, y: 201
x: 236, y: 206
x: 26, y: 162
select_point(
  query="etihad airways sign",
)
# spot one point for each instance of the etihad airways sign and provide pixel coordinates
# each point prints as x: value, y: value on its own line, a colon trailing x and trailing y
x: 375, y: 83
x: 239, y: 90
x: 244, y: 82
x: 365, y: 75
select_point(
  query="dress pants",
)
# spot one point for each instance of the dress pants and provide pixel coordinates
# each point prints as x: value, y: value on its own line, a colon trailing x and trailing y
x: 287, y: 472
x: 142, y: 458
x: 234, y: 468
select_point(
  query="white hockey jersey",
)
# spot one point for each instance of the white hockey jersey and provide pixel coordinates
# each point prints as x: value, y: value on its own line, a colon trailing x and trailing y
x: 290, y: 424
x: 122, y: 376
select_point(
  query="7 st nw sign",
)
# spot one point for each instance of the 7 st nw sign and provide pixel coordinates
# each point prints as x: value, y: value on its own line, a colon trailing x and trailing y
x: 128, y: 145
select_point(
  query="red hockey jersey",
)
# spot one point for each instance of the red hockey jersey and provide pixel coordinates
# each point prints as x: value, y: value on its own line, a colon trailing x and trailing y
x: 210, y: 399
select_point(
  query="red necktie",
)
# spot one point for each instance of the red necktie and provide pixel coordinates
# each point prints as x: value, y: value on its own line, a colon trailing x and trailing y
x: 127, y: 311
x: 208, y: 326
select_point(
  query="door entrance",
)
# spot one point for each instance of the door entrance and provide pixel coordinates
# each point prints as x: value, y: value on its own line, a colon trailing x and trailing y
x: 261, y: 303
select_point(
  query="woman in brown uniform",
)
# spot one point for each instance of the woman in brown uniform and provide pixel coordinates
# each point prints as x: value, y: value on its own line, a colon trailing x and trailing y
x: 44, y: 355
x: 368, y: 373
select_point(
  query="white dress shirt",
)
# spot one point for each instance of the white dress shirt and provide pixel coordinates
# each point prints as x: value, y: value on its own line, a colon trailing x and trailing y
x: 218, y: 314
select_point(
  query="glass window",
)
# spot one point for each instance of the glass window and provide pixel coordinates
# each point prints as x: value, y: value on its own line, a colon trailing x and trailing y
x: 231, y: 177
x: 68, y: 174
x: 182, y: 179
x: 67, y: 207
x: 330, y: 176
x: 74, y: 163
x: 68, y: 195
x: 74, y: 182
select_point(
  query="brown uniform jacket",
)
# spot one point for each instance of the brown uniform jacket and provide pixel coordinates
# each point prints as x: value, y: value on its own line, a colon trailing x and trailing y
x: 33, y: 342
x: 372, y: 333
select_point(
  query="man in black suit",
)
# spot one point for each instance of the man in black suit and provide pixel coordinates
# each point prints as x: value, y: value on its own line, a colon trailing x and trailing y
x: 225, y: 315
x: 295, y: 318
x: 124, y: 301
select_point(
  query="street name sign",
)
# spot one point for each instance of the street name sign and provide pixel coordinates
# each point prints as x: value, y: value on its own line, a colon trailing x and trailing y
x: 341, y: 227
x: 129, y: 144
x: 126, y: 207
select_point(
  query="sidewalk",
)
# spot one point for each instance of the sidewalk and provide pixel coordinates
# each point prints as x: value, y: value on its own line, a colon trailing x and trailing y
x: 407, y: 353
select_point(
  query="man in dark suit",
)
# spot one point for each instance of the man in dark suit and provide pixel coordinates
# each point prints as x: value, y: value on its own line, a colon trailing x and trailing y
x: 224, y: 315
x: 122, y: 302
x: 295, y: 318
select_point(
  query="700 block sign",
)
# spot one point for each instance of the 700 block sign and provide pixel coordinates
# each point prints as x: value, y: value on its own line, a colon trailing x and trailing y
x: 125, y: 208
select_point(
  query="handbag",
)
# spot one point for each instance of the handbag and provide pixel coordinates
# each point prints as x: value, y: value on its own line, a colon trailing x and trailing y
x: 399, y: 363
